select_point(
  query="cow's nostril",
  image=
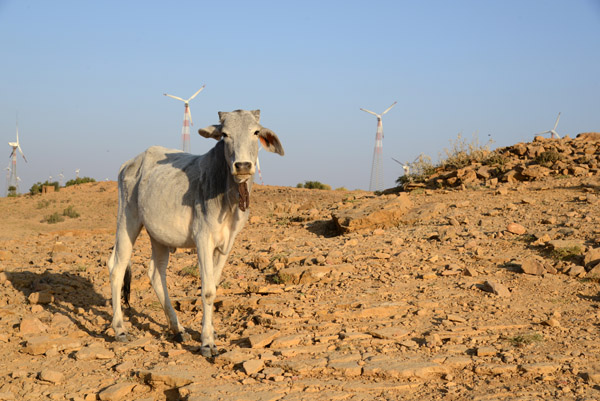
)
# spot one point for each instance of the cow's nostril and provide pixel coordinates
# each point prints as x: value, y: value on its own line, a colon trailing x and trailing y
x: 243, y: 167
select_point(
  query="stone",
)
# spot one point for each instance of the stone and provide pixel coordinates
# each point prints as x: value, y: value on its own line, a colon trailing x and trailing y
x: 383, y: 366
x: 591, y: 258
x: 41, y: 298
x: 170, y: 377
x: 496, y: 288
x: 533, y: 267
x: 540, y: 368
x: 262, y: 340
x: 234, y: 357
x: 486, y: 351
x: 253, y: 366
x: 32, y: 325
x: 378, y: 213
x: 116, y: 392
x: 390, y: 333
x: 516, y: 229
x: 576, y: 271
x: 51, y: 376
x: 287, y: 341
x: 594, y: 273
x: 94, y: 351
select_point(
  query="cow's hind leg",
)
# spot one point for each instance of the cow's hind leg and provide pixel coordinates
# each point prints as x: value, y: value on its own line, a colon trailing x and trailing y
x: 158, y: 278
x: 118, y: 265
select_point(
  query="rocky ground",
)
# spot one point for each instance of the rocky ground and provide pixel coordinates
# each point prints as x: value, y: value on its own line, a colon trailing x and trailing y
x: 478, y: 292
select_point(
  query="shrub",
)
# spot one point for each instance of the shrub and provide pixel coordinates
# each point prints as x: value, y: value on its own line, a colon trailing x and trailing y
x: 78, y: 181
x: 313, y: 185
x: 43, y: 204
x: 70, y: 212
x: 12, y: 192
x: 54, y: 218
x: 548, y: 158
x: 420, y: 170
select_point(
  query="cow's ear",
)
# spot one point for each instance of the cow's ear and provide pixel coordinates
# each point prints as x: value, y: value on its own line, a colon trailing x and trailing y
x: 212, y: 131
x: 256, y: 114
x: 269, y: 141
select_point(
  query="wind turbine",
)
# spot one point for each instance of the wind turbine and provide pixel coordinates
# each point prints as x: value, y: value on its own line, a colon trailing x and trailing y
x: 77, y: 173
x: 187, y: 120
x: 13, y: 155
x: 552, y: 132
x: 376, y: 183
x: 405, y: 167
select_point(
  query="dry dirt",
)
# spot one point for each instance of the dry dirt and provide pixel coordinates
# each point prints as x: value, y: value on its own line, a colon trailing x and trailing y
x: 407, y: 312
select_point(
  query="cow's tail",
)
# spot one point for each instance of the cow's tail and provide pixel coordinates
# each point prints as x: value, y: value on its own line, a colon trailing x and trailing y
x: 126, y: 289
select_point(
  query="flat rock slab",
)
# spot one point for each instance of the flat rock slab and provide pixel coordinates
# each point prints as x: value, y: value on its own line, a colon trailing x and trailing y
x: 263, y: 339
x: 376, y: 213
x: 116, y: 392
x: 169, y: 377
x: 390, y: 368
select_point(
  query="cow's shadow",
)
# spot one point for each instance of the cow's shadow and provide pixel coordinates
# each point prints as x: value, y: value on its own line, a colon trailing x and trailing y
x: 74, y: 297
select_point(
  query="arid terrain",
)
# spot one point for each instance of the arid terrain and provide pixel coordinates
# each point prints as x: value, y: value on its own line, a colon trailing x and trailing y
x: 485, y: 290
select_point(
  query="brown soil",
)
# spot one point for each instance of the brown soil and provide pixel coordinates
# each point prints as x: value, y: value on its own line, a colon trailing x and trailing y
x: 405, y: 312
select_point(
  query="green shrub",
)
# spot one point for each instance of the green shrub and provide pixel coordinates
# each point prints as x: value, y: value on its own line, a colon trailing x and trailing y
x: 70, y: 212
x: 54, y: 218
x: 78, y: 181
x: 548, y: 158
x: 313, y: 185
x: 44, y: 203
x: 12, y: 192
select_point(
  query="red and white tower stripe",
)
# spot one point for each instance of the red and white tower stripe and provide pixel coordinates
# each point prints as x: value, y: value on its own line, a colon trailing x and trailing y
x: 185, y: 131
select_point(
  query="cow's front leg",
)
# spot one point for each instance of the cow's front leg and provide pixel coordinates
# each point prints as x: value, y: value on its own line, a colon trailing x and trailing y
x: 209, y: 291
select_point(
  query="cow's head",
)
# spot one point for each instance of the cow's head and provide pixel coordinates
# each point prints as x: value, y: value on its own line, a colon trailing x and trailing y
x: 240, y: 130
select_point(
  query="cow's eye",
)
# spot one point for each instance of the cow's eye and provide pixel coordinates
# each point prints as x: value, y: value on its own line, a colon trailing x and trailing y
x: 256, y: 133
x: 225, y: 134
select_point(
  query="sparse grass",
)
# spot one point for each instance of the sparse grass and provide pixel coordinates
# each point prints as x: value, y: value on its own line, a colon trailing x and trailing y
x: 53, y: 218
x: 462, y: 152
x: 567, y: 253
x: 341, y: 189
x: 522, y: 340
x: 44, y: 203
x: 226, y: 285
x: 70, y: 212
x: 191, y: 270
x: 283, y: 222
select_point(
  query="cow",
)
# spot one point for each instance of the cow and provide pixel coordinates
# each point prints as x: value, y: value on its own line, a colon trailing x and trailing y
x: 187, y: 201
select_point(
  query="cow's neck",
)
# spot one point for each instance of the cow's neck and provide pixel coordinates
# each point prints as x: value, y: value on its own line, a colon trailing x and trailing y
x: 227, y: 190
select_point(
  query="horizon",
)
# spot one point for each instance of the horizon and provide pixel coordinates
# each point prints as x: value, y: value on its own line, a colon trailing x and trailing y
x: 87, y: 80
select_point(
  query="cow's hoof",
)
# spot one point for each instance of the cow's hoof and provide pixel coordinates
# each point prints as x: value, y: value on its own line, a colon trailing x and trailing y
x: 122, y: 338
x: 208, y: 351
x: 182, y: 337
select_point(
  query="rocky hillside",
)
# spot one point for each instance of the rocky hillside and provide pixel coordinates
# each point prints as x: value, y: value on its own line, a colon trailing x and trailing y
x: 543, y: 157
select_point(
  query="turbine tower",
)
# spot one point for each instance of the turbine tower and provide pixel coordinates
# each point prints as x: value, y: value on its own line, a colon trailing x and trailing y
x: 376, y: 183
x: 14, y: 181
x: 187, y: 120
x: 552, y: 132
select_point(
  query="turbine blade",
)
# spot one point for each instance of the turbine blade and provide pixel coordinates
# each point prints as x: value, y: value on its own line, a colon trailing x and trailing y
x: 557, y: 118
x: 194, y: 95
x: 399, y: 162
x: 22, y: 154
x: 542, y: 133
x: 370, y: 112
x: 389, y: 108
x: 174, y: 97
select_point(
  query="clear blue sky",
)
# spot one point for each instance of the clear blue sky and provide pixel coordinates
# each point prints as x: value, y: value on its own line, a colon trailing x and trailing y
x: 87, y: 78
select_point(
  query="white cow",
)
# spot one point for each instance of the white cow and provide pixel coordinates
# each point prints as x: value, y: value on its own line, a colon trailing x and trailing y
x: 187, y: 201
